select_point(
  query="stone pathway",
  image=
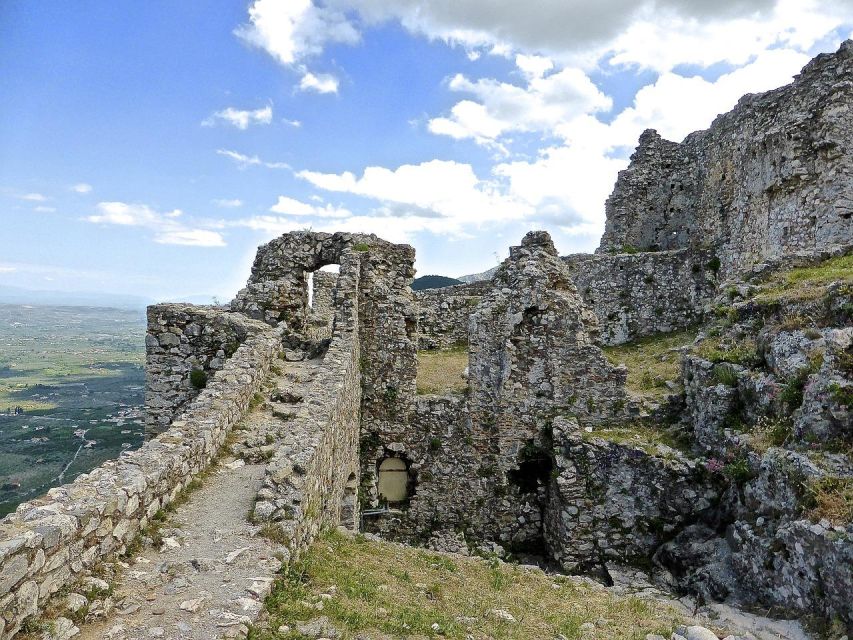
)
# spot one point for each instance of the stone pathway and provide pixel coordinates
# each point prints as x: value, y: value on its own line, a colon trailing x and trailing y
x: 209, y: 577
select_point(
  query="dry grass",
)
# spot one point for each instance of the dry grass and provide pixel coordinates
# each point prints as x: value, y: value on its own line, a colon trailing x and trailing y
x: 441, y: 371
x: 392, y: 591
x: 831, y: 497
x: 638, y: 434
x: 651, y: 361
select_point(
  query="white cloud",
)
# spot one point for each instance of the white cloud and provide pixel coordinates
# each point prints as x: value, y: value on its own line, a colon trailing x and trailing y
x: 228, y: 204
x: 8, y: 269
x: 82, y: 187
x: 167, y: 226
x: 292, y: 207
x: 243, y: 161
x: 240, y: 118
x: 446, y: 192
x: 43, y: 209
x: 319, y: 83
x: 33, y: 197
x: 292, y: 30
x: 544, y: 104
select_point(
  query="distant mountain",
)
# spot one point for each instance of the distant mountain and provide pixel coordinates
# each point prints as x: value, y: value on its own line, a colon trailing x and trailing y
x: 477, y: 277
x: 433, y: 282
x: 18, y: 295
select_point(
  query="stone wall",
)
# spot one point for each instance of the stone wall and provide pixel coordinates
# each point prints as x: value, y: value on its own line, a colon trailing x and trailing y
x: 322, y: 312
x: 55, y: 540
x: 443, y: 314
x: 312, y: 477
x: 636, y: 295
x: 480, y: 463
x: 770, y: 178
x: 613, y: 502
x: 182, y: 338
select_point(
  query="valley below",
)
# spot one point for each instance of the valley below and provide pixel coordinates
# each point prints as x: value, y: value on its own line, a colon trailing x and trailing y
x: 71, y: 393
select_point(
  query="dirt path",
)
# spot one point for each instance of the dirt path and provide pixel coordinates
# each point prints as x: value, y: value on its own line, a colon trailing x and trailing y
x: 212, y: 571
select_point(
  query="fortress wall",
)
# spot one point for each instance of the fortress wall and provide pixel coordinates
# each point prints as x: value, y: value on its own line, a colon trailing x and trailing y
x: 54, y: 540
x: 771, y: 178
x: 182, y: 338
x: 443, y: 314
x: 322, y: 311
x: 636, y: 295
x: 311, y: 481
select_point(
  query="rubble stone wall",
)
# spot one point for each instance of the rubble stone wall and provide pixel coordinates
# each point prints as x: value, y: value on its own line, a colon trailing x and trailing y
x: 322, y: 312
x: 52, y: 541
x: 617, y: 503
x: 316, y: 464
x: 479, y: 463
x: 443, y: 314
x: 773, y: 177
x: 180, y: 339
x: 636, y: 295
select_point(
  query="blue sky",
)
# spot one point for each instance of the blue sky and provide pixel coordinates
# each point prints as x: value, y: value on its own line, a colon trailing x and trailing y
x: 149, y: 148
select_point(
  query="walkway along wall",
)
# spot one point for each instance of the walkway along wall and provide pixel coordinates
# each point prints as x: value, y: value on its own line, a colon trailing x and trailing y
x: 52, y: 541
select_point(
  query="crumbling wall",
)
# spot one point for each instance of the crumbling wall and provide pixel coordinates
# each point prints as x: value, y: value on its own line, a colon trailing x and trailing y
x: 614, y: 502
x: 636, y: 295
x: 181, y: 339
x: 322, y: 312
x: 443, y: 314
x: 770, y: 178
x: 53, y: 540
x: 317, y: 460
x: 481, y: 463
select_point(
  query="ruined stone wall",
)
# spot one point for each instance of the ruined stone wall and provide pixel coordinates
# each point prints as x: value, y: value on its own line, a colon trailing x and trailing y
x: 613, y: 502
x: 480, y: 463
x: 770, y: 178
x: 443, y: 314
x: 636, y: 295
x: 182, y: 338
x: 52, y: 541
x: 316, y: 464
x: 322, y: 312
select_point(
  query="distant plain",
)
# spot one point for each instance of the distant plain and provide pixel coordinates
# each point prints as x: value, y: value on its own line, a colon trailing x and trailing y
x: 78, y: 375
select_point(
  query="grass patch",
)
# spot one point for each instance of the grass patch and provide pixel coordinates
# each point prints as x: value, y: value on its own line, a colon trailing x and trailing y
x: 807, y: 283
x: 440, y: 371
x: 651, y: 361
x: 716, y: 350
x: 400, y: 591
x: 830, y: 497
x: 638, y: 434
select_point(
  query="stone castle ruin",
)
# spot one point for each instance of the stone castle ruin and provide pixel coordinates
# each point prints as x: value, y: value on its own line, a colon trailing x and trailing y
x: 532, y: 458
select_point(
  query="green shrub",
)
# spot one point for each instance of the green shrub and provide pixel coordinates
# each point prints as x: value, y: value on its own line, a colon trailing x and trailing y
x: 198, y: 378
x: 629, y: 248
x: 725, y: 374
x: 361, y: 246
x: 714, y: 265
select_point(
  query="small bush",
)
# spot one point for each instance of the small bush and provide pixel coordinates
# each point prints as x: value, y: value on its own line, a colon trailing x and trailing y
x: 725, y: 374
x: 434, y: 444
x: 738, y: 470
x: 198, y: 379
x: 714, y: 265
x: 361, y: 246
x: 629, y: 248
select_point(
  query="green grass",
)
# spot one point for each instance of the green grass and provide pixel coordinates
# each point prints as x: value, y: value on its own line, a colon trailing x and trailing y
x: 440, y: 371
x: 637, y: 434
x: 807, y: 283
x: 651, y: 361
x: 383, y: 588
